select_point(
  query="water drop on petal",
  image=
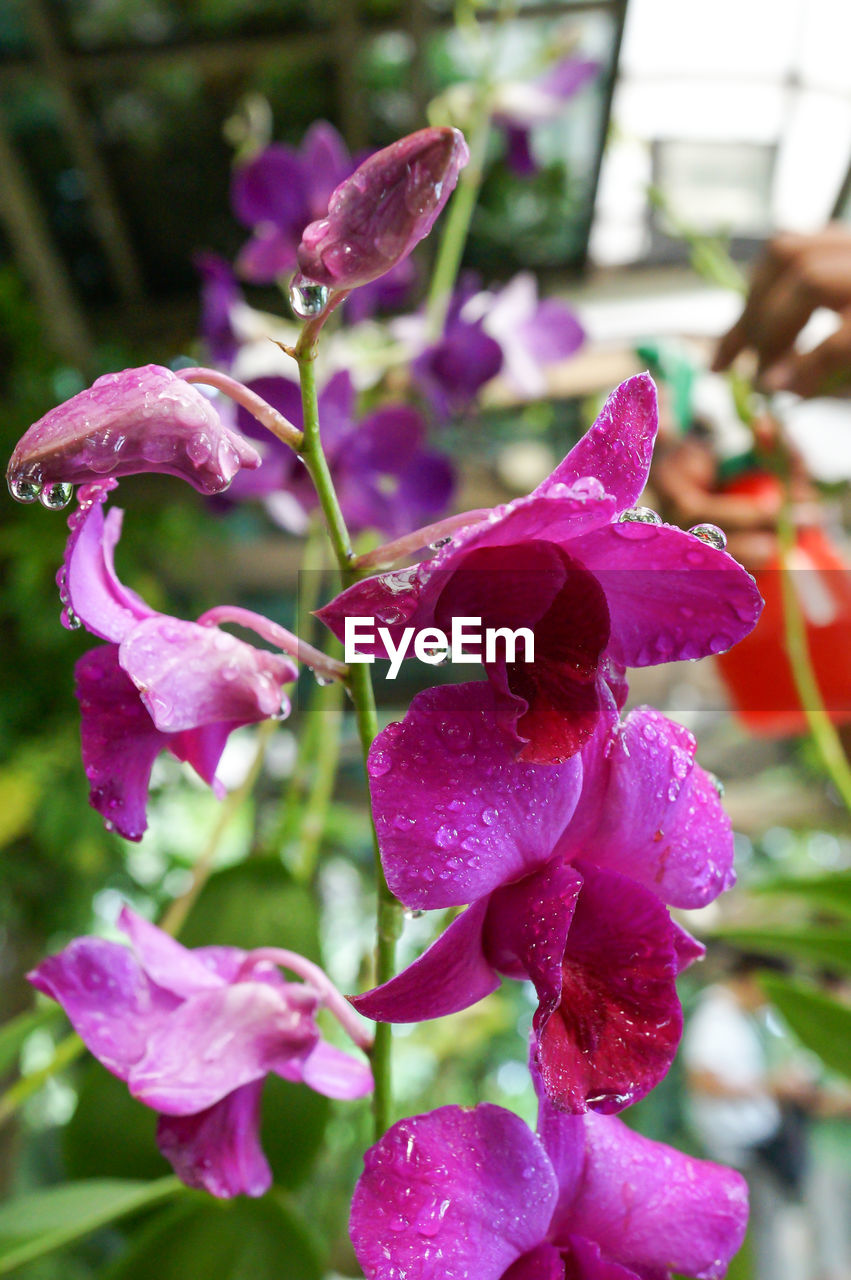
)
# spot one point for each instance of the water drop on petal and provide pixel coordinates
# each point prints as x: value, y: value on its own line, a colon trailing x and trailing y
x: 308, y: 299
x: 710, y: 534
x: 56, y: 496
x: 23, y: 490
x: 639, y: 515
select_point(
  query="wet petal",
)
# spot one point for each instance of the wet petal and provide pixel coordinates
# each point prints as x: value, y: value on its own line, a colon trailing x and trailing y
x: 219, y: 1040
x: 138, y: 420
x: 91, y: 588
x: 377, y: 216
x: 218, y: 1150
x: 543, y: 1263
x: 618, y: 448
x: 456, y: 814
x: 170, y: 965
x: 452, y: 1192
x: 670, y: 596
x: 587, y: 1262
x: 189, y: 675
x: 649, y: 1206
x: 619, y: 1022
x: 270, y: 188
x: 650, y: 812
x: 269, y: 253
x: 110, y: 1001
x: 527, y: 928
x: 452, y: 974
x: 119, y: 741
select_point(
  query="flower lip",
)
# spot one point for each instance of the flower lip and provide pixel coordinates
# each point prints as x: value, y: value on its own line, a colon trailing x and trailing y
x: 137, y: 420
x: 377, y: 216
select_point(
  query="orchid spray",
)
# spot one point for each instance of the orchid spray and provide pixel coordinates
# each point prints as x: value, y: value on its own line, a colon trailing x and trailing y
x: 564, y: 830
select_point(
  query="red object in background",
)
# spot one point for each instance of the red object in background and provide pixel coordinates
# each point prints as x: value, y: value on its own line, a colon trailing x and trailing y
x: 756, y: 671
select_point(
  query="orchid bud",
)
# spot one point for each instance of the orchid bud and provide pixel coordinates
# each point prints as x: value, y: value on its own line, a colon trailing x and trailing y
x: 137, y: 420
x: 377, y: 216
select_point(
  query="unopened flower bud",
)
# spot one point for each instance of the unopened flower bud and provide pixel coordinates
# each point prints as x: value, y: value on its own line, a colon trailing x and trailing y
x: 377, y: 216
x: 145, y: 419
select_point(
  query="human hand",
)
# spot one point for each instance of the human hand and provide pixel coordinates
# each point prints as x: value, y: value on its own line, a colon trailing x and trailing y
x: 796, y: 275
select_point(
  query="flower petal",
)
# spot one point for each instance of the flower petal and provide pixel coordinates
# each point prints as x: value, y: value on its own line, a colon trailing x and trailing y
x: 190, y: 675
x: 587, y: 1262
x: 119, y: 741
x: 218, y: 1150
x: 336, y: 1074
x: 543, y: 1263
x: 452, y: 974
x: 527, y: 928
x: 110, y: 1001
x: 219, y: 1040
x: 270, y: 188
x: 456, y: 815
x: 649, y: 1206
x: 453, y: 1192
x: 170, y: 965
x: 90, y: 587
x: 650, y: 812
x: 618, y: 447
x: 137, y: 420
x: 619, y: 1022
x: 378, y: 214
x: 670, y: 596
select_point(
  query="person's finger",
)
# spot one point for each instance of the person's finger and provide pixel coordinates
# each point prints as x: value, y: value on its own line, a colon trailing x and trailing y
x: 826, y: 370
x: 775, y: 261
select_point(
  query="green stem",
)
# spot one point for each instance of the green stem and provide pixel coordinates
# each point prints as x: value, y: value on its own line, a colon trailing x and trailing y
x: 458, y: 220
x: 389, y: 917
x: 821, y: 728
x: 327, y: 711
x: 65, y: 1052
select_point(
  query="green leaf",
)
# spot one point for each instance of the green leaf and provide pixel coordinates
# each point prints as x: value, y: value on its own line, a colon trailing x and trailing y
x: 16, y: 1031
x: 828, y: 893
x: 826, y: 948
x: 36, y: 1224
x: 819, y: 1021
x: 293, y: 1127
x: 222, y: 1240
x: 255, y: 904
x: 105, y: 1108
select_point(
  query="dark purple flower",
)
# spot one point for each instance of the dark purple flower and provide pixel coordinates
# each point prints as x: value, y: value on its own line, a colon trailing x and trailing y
x: 377, y: 216
x: 278, y: 191
x: 532, y: 333
x: 566, y: 868
x: 160, y: 684
x: 385, y: 477
x: 194, y: 1034
x: 602, y: 585
x: 452, y: 371
x: 220, y: 296
x: 519, y: 106
x: 137, y: 420
x: 475, y: 1195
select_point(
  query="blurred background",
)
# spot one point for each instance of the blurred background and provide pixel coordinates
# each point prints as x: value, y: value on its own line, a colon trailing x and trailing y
x: 703, y: 130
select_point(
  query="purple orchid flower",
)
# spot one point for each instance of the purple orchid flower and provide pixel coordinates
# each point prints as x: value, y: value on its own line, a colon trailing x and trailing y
x: 380, y: 213
x: 520, y: 106
x: 601, y: 584
x: 566, y: 868
x: 279, y: 191
x: 220, y: 296
x: 138, y: 420
x: 474, y: 1193
x: 195, y: 1033
x: 452, y: 371
x: 532, y: 333
x: 160, y: 684
x: 385, y: 477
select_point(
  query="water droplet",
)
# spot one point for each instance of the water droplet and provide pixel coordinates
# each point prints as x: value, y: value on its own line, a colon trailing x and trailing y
x: 378, y: 764
x: 444, y: 836
x: 710, y: 534
x: 323, y: 681
x: 56, y: 496
x: 23, y: 490
x: 69, y: 619
x: 308, y: 299
x: 639, y: 515
x: 717, y: 784
x: 587, y: 487
x: 489, y: 817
